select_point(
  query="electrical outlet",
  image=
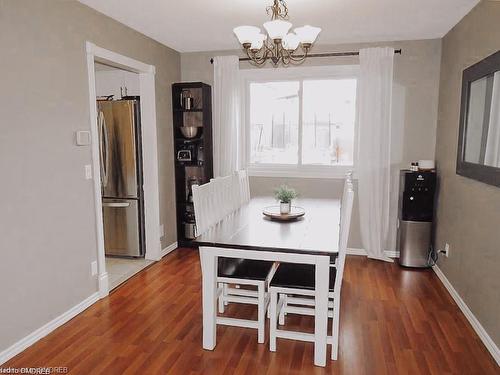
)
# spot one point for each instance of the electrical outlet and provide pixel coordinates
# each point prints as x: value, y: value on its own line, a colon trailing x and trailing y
x: 162, y: 230
x: 447, y: 250
x: 93, y: 268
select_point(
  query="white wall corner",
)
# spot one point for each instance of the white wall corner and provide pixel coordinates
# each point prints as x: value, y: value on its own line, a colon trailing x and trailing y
x: 481, y: 332
x: 43, y: 331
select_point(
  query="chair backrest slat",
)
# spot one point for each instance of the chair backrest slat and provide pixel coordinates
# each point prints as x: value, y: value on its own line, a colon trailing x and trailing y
x: 244, y: 186
x: 345, y: 224
x: 219, y: 198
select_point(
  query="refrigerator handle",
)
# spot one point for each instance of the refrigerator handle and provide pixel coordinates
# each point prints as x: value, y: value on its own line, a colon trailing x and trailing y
x: 100, y: 126
x: 105, y: 149
x: 116, y: 204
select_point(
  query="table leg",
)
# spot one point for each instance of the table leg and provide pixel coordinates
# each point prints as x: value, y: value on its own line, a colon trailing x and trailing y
x: 209, y: 294
x: 322, y: 274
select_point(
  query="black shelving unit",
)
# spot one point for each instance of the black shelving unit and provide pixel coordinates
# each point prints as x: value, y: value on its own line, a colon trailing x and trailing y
x: 193, y: 157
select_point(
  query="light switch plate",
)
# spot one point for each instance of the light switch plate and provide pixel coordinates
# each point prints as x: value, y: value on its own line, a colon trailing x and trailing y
x: 93, y: 268
x: 88, y: 172
x: 162, y: 230
x: 447, y: 250
x: 83, y: 138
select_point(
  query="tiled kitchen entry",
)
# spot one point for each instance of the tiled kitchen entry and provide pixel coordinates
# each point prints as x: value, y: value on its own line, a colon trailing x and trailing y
x: 121, y: 269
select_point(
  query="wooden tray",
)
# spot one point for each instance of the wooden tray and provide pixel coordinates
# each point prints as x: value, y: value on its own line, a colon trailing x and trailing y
x: 273, y: 212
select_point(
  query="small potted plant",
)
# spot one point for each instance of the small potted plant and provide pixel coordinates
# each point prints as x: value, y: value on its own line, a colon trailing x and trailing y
x: 285, y: 195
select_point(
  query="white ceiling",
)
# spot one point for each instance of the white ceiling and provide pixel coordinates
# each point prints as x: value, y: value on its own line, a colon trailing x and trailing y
x: 203, y: 25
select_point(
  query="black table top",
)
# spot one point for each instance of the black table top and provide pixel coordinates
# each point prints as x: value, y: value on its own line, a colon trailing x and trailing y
x: 317, y: 232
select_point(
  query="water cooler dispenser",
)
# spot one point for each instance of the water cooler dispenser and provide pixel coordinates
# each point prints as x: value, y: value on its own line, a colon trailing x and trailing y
x: 416, y: 209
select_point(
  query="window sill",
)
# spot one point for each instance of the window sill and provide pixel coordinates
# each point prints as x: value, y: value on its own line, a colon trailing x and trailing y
x: 326, y: 172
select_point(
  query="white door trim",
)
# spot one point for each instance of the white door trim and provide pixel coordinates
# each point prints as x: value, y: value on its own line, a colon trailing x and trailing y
x: 150, y: 156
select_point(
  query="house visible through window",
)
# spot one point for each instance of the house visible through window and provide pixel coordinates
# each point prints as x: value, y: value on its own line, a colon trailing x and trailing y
x: 328, y: 119
x: 302, y: 122
x: 274, y: 119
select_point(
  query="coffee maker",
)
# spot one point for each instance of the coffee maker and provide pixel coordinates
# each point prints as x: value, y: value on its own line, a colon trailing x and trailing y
x: 189, y: 218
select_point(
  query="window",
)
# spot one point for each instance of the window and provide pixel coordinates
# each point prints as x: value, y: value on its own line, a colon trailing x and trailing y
x: 274, y: 122
x: 302, y: 119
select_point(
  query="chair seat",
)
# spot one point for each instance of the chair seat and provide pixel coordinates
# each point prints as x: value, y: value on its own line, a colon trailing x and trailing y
x: 244, y: 268
x: 299, y: 276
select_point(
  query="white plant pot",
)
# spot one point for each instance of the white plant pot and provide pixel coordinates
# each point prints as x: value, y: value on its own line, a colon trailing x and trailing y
x: 285, y: 208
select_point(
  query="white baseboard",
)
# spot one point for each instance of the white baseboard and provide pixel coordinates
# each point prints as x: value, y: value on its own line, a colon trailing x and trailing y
x: 392, y: 254
x: 481, y: 332
x: 355, y: 251
x: 43, y: 331
x: 362, y: 252
x: 168, y: 249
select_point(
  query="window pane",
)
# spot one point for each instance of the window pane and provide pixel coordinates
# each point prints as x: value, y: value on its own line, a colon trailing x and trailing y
x: 329, y: 111
x: 274, y: 119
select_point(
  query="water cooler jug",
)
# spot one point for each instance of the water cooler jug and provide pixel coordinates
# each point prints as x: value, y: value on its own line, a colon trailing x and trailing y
x: 416, y: 211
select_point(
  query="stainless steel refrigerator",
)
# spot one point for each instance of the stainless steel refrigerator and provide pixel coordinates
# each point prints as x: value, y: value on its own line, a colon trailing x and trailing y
x: 121, y: 177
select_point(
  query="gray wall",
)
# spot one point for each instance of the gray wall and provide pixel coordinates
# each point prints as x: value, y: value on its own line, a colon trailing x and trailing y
x: 416, y: 77
x: 468, y: 214
x: 47, y: 220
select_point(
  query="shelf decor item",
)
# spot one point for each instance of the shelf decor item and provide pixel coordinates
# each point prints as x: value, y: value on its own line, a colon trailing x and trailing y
x: 285, y: 195
x: 274, y: 213
x: 189, y: 132
x: 186, y: 99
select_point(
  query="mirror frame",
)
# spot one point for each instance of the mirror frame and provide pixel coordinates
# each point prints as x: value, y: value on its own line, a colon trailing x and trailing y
x: 484, y: 173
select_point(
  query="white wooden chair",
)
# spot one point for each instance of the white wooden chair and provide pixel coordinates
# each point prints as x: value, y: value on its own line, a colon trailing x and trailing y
x: 294, y: 284
x: 234, y: 273
x: 222, y: 196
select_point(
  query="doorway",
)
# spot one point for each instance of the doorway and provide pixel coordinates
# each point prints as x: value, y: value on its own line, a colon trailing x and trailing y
x: 101, y: 60
x: 120, y: 144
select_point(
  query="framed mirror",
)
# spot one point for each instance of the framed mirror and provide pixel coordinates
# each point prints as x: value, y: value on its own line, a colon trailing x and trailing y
x: 479, y: 141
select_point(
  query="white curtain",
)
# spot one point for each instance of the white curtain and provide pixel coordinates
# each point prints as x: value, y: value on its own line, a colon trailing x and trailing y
x: 397, y: 142
x: 227, y: 132
x: 492, y: 153
x: 374, y: 147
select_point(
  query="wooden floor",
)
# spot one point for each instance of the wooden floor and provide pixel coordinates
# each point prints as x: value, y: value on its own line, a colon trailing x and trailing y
x: 393, y: 321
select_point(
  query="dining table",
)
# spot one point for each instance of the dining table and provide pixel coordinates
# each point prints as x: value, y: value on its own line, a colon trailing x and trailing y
x: 247, y: 233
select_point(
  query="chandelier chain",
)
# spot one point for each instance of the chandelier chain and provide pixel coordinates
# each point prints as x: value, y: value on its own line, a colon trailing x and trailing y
x: 279, y: 10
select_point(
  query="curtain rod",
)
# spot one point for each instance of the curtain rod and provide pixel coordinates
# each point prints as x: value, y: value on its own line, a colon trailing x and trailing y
x: 331, y: 54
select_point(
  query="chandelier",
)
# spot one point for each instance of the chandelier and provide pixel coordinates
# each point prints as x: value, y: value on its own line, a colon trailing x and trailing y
x: 279, y: 45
